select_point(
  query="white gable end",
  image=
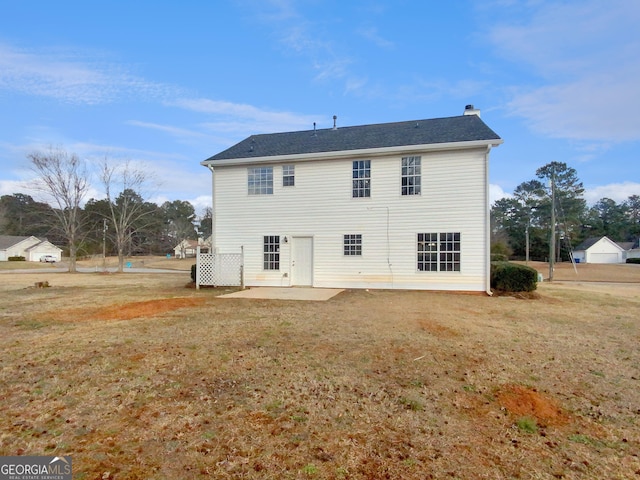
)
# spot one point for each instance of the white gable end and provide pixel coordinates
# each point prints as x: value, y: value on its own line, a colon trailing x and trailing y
x: 604, y: 251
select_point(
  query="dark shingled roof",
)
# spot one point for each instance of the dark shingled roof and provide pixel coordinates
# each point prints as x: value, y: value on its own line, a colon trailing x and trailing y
x: 587, y: 243
x: 7, y: 241
x: 591, y: 241
x: 464, y: 128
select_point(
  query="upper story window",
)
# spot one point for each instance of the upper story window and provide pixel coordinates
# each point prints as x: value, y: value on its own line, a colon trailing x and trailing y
x: 260, y: 181
x: 288, y: 175
x: 353, y: 244
x: 411, y: 175
x: 361, y: 178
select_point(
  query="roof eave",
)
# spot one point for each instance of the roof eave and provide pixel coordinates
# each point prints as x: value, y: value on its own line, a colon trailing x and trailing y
x: 369, y: 152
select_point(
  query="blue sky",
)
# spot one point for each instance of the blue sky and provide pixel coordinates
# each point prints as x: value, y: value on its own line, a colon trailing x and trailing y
x: 167, y: 84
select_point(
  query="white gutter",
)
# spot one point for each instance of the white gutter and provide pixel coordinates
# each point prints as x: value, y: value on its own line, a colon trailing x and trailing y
x: 487, y: 224
x: 213, y: 208
x: 368, y: 152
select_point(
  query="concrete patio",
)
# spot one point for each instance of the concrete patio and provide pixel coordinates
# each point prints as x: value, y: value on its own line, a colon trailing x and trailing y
x: 286, y: 293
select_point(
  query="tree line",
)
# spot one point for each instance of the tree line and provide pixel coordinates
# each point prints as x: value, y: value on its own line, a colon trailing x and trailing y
x: 123, y: 223
x: 126, y: 224
x: 521, y: 224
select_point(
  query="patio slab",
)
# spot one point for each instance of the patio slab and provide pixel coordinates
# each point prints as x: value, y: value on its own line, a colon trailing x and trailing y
x: 286, y: 293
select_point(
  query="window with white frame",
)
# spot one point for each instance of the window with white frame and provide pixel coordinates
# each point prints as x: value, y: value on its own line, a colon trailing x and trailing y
x: 361, y: 178
x: 260, y: 181
x: 450, y: 252
x: 411, y: 175
x: 288, y: 175
x: 438, y: 252
x: 352, y: 244
x: 271, y: 252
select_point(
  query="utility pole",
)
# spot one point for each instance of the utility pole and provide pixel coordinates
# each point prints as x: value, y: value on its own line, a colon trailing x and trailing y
x: 527, y: 237
x: 104, y: 245
x: 552, y: 240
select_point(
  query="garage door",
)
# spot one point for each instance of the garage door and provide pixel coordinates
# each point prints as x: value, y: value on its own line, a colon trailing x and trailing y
x: 604, y: 258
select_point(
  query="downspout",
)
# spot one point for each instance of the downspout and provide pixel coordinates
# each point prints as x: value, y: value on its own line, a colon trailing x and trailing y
x: 487, y: 225
x: 213, y: 209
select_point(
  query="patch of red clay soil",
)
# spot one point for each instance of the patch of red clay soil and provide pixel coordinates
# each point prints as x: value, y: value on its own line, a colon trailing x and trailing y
x: 145, y: 309
x: 128, y: 311
x: 526, y: 402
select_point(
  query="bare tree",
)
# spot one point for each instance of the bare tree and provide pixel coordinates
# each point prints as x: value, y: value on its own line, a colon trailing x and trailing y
x: 64, y: 178
x: 129, y: 213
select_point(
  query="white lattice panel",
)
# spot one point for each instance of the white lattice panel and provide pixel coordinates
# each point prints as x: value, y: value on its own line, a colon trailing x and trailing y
x: 219, y: 269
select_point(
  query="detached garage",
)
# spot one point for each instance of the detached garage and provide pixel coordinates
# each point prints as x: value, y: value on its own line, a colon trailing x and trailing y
x: 599, y: 250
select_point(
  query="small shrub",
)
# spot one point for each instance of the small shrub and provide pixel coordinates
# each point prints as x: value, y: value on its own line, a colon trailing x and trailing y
x: 16, y: 259
x: 310, y: 469
x: 633, y: 260
x: 511, y: 277
x: 193, y: 272
x: 499, y: 257
x: 527, y: 424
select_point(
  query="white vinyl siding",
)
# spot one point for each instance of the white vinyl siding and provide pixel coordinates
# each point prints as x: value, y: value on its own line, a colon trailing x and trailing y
x: 453, y: 199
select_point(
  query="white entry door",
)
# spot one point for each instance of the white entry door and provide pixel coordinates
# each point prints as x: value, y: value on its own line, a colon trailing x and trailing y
x: 302, y: 261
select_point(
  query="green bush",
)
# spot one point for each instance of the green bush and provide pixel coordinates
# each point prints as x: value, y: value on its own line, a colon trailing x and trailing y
x: 499, y: 257
x: 16, y: 259
x: 193, y: 273
x: 633, y: 260
x: 511, y: 277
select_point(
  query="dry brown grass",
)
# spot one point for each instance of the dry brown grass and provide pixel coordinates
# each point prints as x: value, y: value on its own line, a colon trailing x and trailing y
x: 589, y: 272
x: 137, y: 377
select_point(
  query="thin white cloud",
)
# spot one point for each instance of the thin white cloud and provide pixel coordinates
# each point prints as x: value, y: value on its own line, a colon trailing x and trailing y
x: 436, y: 89
x: 245, y: 119
x: 615, y: 191
x: 301, y: 35
x: 69, y: 76
x: 169, y: 129
x: 586, y: 56
x: 9, y: 187
x: 201, y: 203
x: 371, y: 34
x: 496, y: 193
x: 601, y: 107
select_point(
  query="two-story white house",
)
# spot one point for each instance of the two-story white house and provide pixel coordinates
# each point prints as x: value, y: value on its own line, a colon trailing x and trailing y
x: 395, y: 205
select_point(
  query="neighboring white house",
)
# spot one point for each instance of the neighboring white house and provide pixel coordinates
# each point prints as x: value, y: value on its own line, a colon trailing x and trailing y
x: 187, y: 248
x: 599, y: 250
x: 31, y: 248
x: 394, y: 205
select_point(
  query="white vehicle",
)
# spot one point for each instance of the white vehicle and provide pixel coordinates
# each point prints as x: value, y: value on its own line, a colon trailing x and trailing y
x: 48, y: 259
